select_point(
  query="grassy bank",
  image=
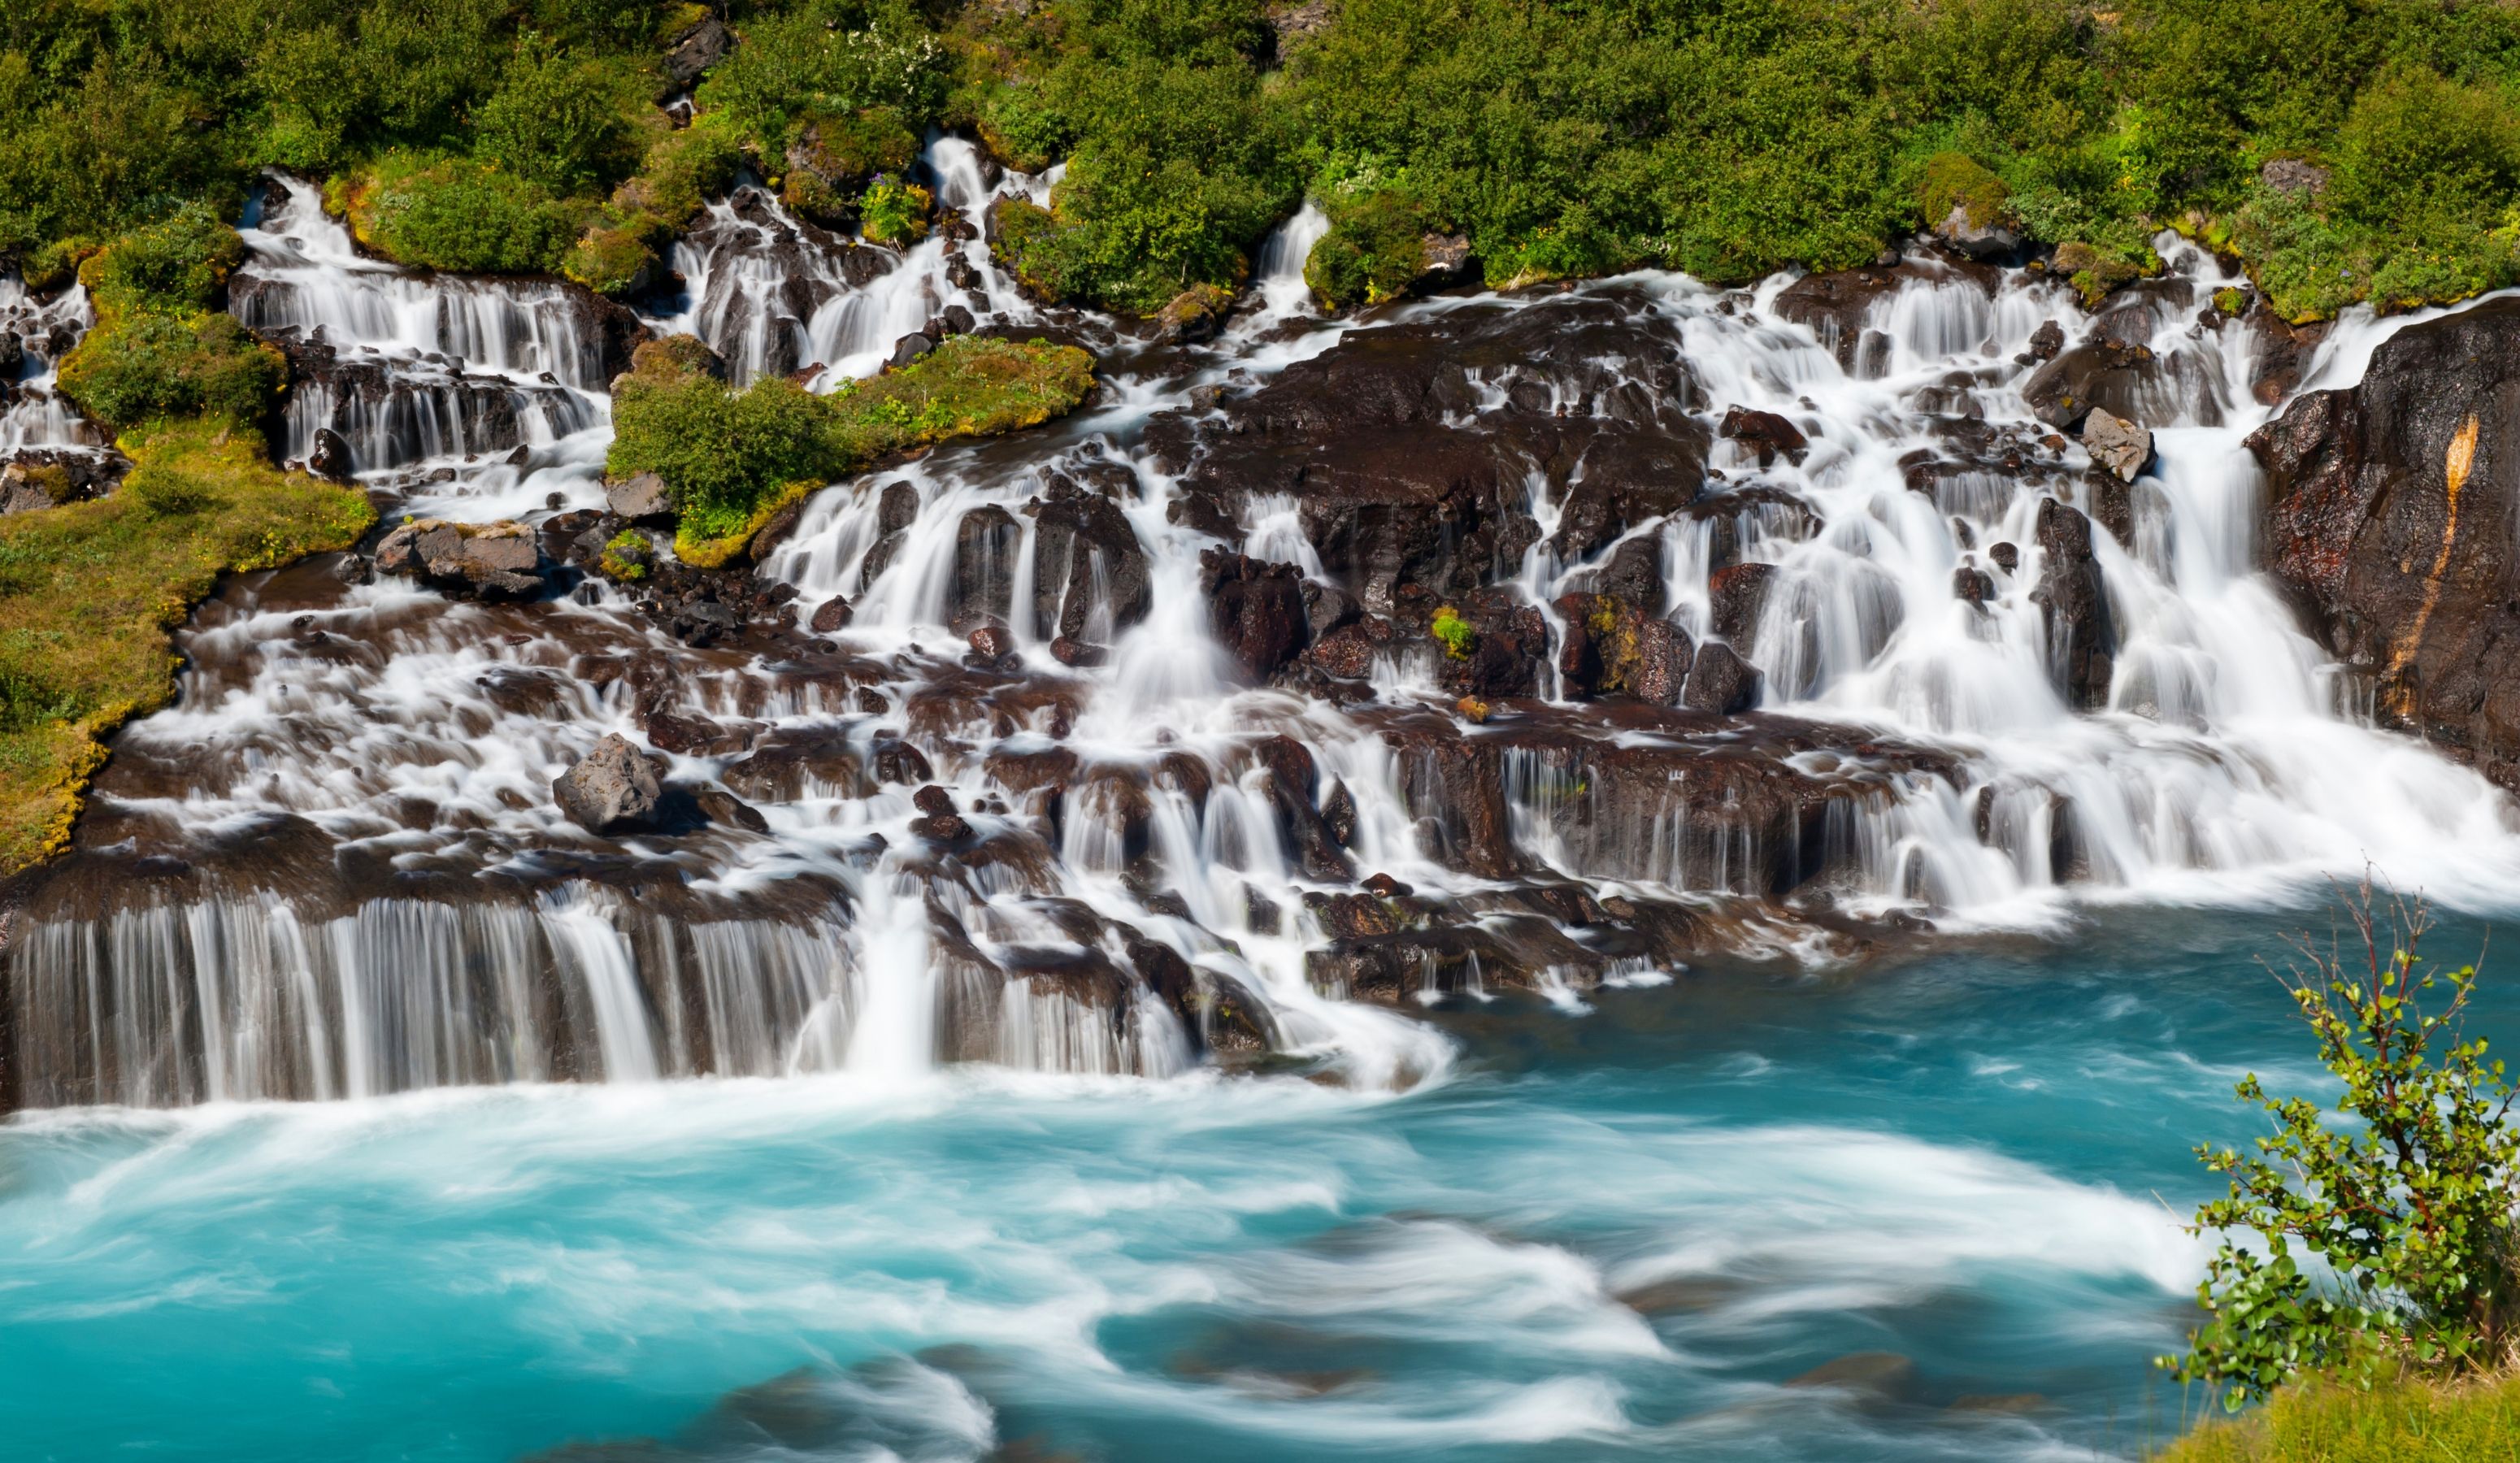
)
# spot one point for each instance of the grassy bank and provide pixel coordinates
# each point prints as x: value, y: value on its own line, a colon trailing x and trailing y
x: 89, y: 591
x: 2473, y: 1422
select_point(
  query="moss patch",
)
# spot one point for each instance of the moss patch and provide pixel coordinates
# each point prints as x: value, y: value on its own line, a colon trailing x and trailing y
x: 88, y: 592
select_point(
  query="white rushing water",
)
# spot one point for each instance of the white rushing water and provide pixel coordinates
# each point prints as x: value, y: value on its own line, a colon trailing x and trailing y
x: 473, y: 935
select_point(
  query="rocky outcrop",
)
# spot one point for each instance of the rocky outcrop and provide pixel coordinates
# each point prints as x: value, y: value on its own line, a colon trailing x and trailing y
x: 500, y: 560
x: 2390, y: 515
x: 1087, y: 561
x: 2117, y: 444
x: 1257, y: 609
x: 1406, y: 469
x: 1836, y: 306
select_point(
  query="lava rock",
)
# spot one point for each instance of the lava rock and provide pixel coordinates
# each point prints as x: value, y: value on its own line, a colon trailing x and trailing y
x: 2388, y: 517
x: 330, y: 458
x: 612, y: 790
x: 696, y: 49
x: 832, y: 616
x: 1257, y: 608
x: 1766, y: 433
x: 1721, y: 682
x: 1736, y: 595
x: 1193, y: 316
x: 2075, y: 606
x: 908, y: 350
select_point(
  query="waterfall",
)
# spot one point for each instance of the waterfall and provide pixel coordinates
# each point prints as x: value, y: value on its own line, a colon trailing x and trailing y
x: 334, y: 869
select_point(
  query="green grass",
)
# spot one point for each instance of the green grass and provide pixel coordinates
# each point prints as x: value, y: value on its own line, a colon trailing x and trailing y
x: 88, y: 592
x: 2407, y: 1422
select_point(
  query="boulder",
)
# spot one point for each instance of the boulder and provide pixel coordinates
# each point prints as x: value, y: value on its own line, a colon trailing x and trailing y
x: 1764, y: 433
x: 1085, y: 557
x: 1610, y: 646
x: 642, y: 499
x: 908, y: 350
x: 612, y: 790
x: 1194, y: 315
x: 330, y: 458
x: 490, y: 560
x: 2390, y: 517
x: 986, y: 543
x: 696, y: 49
x: 1737, y: 593
x: 1720, y: 682
x: 831, y: 616
x: 2074, y: 605
x: 1837, y: 305
x: 1257, y: 608
x: 2117, y: 444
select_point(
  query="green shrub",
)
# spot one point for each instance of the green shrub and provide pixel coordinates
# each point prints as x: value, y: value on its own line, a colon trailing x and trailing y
x: 459, y: 213
x: 1452, y: 633
x: 626, y: 556
x: 180, y: 264
x: 2388, y: 1228
x: 810, y: 61
x: 894, y: 211
x: 1374, y: 249
x: 141, y: 365
x: 558, y: 119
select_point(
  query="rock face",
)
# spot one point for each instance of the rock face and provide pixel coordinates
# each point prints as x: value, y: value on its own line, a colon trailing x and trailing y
x: 642, y: 499
x: 2390, y: 515
x: 1837, y: 304
x: 613, y: 790
x: 1258, y: 609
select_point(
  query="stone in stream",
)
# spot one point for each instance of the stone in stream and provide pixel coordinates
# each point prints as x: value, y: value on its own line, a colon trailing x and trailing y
x: 2075, y: 606
x: 2117, y: 444
x: 612, y: 790
x: 330, y: 458
x: 499, y: 560
x: 1720, y: 682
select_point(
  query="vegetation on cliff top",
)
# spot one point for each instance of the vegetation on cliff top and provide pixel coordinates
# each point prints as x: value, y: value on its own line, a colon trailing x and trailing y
x: 732, y: 458
x: 2349, y: 150
x: 88, y: 592
x: 2394, y: 1422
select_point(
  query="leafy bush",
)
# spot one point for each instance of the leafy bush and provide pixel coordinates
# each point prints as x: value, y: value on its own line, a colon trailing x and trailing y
x: 558, y: 119
x: 144, y: 364
x: 459, y: 213
x: 1452, y: 633
x: 2388, y: 1232
x: 894, y: 211
x: 814, y: 61
x: 180, y: 264
x: 627, y: 555
x: 1374, y: 249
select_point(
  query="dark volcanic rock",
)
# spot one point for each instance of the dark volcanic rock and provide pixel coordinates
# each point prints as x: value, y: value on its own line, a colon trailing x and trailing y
x: 1720, y: 682
x: 1085, y: 557
x: 1836, y: 305
x: 613, y: 790
x: 2075, y: 606
x: 1406, y: 469
x: 1258, y: 609
x: 1611, y: 647
x: 2391, y: 517
x: 1764, y: 433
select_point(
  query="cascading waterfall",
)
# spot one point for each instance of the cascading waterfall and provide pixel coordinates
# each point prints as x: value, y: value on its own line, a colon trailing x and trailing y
x: 334, y: 869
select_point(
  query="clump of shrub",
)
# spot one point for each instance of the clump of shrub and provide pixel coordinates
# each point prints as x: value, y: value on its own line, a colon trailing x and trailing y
x: 732, y: 457
x: 1374, y: 250
x: 626, y: 556
x: 894, y: 211
x: 2385, y: 1230
x: 157, y: 349
x: 1452, y: 633
x: 459, y: 213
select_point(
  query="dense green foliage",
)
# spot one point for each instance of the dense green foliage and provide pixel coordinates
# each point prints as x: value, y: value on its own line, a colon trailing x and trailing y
x: 2349, y: 150
x: 2377, y: 1239
x: 2392, y: 1423
x: 731, y: 456
x: 160, y: 347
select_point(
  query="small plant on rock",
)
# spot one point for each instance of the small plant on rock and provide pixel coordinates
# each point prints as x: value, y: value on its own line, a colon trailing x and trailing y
x: 626, y: 556
x: 1452, y: 633
x: 2386, y: 1228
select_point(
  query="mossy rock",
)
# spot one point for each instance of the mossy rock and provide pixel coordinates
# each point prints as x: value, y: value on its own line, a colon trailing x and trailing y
x: 1955, y: 182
